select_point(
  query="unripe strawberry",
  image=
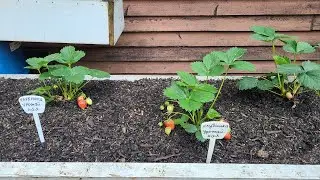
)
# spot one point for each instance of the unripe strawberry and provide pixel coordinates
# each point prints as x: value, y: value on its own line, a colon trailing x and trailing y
x: 170, y: 108
x: 161, y: 107
x: 167, y: 130
x: 89, y: 101
x: 289, y: 95
x: 166, y: 103
x: 160, y: 124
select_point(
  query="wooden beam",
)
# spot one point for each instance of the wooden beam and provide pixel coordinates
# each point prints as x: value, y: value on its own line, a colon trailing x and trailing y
x: 165, y: 54
x: 161, y: 67
x: 316, y: 23
x: 220, y: 7
x: 228, y: 23
x: 196, y: 39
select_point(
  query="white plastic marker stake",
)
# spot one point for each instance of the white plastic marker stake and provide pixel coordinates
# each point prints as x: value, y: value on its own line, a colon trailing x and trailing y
x: 33, y: 105
x: 213, y: 130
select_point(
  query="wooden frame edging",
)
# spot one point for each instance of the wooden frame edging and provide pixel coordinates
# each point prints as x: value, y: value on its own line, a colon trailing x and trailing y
x: 69, y: 170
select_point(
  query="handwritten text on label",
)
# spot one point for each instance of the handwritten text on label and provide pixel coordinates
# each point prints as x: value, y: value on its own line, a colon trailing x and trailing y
x: 32, y: 104
x: 214, y: 129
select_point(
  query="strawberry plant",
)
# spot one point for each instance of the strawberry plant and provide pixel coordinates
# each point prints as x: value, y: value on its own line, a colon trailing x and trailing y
x: 67, y: 80
x: 197, y: 99
x: 291, y: 78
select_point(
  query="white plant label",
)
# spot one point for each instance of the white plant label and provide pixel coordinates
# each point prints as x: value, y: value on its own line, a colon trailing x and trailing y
x: 213, y: 130
x: 34, y: 105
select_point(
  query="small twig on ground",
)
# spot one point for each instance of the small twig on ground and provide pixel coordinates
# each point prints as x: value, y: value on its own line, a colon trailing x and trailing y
x: 273, y: 132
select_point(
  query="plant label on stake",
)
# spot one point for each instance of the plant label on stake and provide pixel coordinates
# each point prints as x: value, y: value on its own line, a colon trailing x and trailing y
x: 33, y: 105
x: 213, y: 130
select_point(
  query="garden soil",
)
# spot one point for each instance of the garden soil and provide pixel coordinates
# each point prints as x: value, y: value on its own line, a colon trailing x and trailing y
x: 122, y: 126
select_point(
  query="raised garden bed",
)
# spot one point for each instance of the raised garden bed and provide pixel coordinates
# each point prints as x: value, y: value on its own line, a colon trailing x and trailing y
x: 121, y: 126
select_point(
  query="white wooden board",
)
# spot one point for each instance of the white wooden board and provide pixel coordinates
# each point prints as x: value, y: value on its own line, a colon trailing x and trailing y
x: 118, y: 19
x: 89, y: 170
x: 55, y: 21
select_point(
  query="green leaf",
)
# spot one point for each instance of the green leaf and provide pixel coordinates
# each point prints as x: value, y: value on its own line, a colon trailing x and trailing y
x: 199, y: 136
x: 265, y: 85
x: 298, y: 47
x: 44, y: 76
x: 212, y: 114
x: 201, y: 96
x: 290, y: 46
x: 263, y: 30
x: 200, y: 68
x: 206, y: 87
x: 69, y: 55
x: 98, y: 74
x: 189, y: 104
x: 234, y: 54
x: 216, y: 70
x: 309, y: 66
x: 174, y: 92
x: 243, y: 66
x: 310, y: 79
x: 181, y: 120
x: 63, y: 71
x: 187, y: 78
x: 220, y: 56
x: 190, y: 128
x: 262, y: 37
x: 203, y: 93
x: 75, y: 78
x: 36, y: 63
x: 52, y: 57
x: 40, y: 90
x: 305, y: 48
x: 210, y: 60
x: 279, y: 60
x: 30, y: 67
x: 56, y: 66
x: 289, y: 69
x: 80, y: 70
x: 247, y: 83
x: 182, y: 84
x: 284, y: 38
x: 263, y: 33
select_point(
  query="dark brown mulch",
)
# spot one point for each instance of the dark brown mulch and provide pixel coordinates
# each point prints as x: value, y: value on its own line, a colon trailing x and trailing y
x: 121, y: 126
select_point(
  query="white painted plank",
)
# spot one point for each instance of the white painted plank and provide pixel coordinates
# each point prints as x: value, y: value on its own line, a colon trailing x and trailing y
x: 160, y: 170
x: 118, y: 19
x: 57, y: 21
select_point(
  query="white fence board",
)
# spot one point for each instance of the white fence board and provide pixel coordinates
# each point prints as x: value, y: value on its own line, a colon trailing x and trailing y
x: 56, y: 21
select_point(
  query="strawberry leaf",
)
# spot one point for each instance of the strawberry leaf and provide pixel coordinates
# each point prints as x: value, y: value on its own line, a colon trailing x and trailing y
x: 279, y: 60
x: 216, y: 70
x: 69, y: 55
x: 174, y: 92
x: 187, y: 78
x: 190, y: 128
x: 243, y: 66
x: 247, y: 83
x: 189, y: 104
x: 265, y: 85
x: 200, y: 68
x: 289, y: 69
x: 212, y: 114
